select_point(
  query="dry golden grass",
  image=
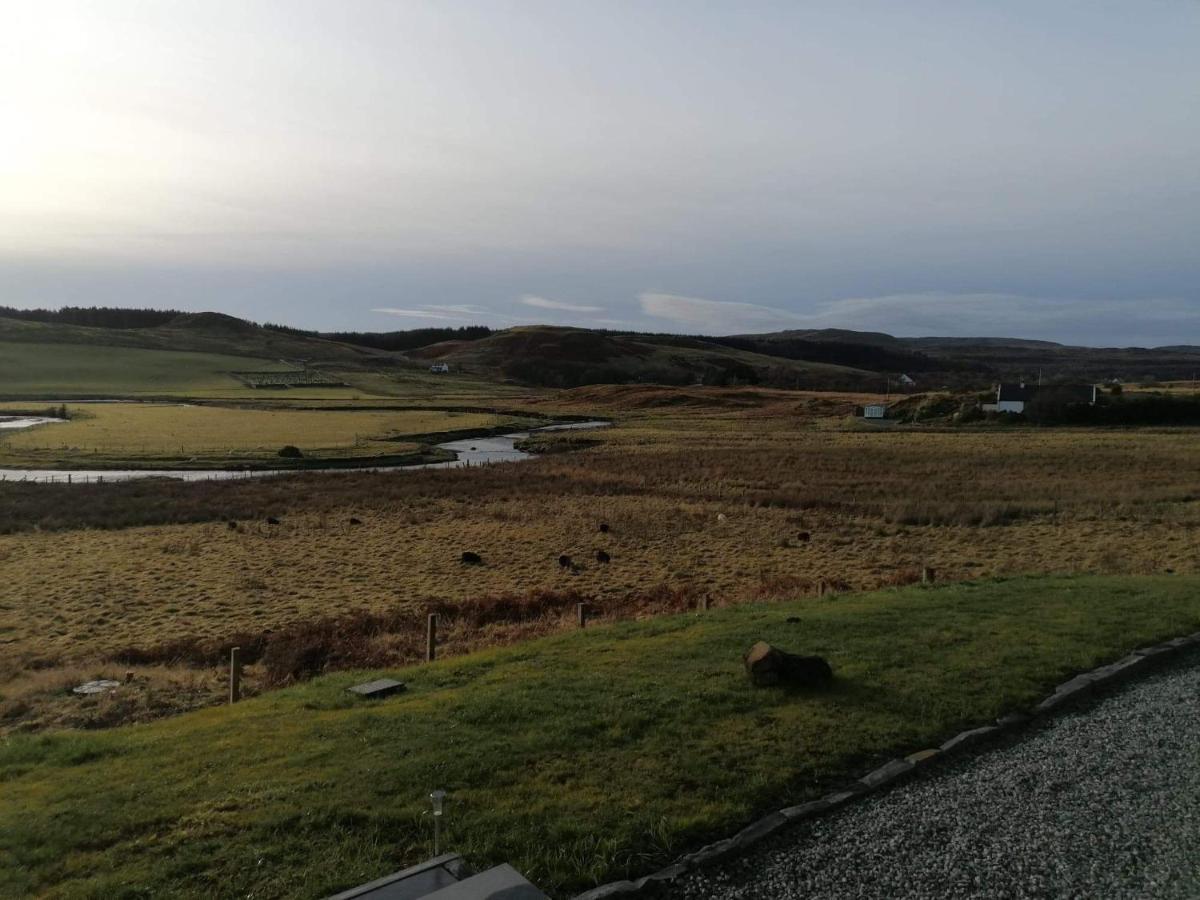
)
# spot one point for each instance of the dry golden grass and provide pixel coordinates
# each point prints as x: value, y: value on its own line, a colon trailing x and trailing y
x: 133, y: 431
x: 711, y: 498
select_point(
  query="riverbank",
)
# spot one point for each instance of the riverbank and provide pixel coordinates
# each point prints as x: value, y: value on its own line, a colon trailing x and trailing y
x: 481, y: 446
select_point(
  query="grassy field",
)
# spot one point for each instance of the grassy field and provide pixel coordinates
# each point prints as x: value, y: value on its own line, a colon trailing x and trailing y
x: 740, y: 495
x: 73, y: 370
x: 31, y: 370
x: 139, y: 434
x: 582, y: 757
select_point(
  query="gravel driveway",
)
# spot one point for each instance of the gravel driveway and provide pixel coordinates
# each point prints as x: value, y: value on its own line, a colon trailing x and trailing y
x: 1103, y: 802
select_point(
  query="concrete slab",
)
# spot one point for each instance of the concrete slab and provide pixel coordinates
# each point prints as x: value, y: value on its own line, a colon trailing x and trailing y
x: 412, y: 883
x: 375, y: 690
x: 501, y: 883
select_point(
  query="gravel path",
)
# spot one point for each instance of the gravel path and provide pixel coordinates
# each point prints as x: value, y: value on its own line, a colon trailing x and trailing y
x: 1103, y: 802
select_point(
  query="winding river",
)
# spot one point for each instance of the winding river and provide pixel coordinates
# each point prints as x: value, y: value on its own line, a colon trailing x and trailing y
x: 468, y: 452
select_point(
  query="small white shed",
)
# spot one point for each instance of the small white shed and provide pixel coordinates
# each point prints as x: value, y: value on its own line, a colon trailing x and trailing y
x: 874, y: 411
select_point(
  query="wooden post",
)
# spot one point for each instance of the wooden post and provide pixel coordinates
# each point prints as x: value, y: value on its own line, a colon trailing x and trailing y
x: 431, y: 638
x: 928, y: 575
x: 235, y: 674
x: 704, y: 603
x: 821, y: 588
x: 581, y: 612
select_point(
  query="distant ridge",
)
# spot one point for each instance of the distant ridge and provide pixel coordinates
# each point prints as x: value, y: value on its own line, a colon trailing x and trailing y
x: 556, y: 356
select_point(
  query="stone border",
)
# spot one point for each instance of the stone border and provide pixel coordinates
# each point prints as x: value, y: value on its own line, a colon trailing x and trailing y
x: 1067, y: 693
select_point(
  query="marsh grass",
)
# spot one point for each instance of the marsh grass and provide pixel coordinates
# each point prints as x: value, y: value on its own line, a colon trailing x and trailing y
x: 710, y: 500
x: 132, y: 434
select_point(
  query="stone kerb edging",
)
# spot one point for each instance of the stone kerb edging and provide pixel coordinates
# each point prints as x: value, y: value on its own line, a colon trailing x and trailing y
x: 1068, y: 692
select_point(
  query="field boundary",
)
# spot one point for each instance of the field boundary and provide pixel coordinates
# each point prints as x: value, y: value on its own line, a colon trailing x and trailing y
x: 1065, y: 695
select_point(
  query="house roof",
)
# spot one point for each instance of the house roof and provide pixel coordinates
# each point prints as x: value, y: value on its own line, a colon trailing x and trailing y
x: 1015, y: 392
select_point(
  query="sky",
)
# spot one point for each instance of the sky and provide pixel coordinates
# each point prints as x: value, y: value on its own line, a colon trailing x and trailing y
x: 920, y: 168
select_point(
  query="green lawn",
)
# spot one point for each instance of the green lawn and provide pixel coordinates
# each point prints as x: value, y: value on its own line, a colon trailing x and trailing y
x: 578, y: 758
x: 55, y: 370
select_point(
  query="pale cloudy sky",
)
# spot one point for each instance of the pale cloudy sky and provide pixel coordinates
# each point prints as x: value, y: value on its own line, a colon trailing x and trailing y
x: 922, y: 168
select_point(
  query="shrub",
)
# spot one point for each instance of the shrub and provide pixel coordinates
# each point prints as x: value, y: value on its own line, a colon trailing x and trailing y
x: 291, y: 451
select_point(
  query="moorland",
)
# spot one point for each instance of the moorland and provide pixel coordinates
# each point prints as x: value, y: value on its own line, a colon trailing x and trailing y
x: 745, y: 486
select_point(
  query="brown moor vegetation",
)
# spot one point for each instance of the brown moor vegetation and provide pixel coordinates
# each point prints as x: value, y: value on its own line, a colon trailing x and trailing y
x: 730, y: 495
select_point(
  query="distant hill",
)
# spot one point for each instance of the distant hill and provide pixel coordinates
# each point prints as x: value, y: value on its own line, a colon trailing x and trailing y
x: 1013, y: 358
x: 964, y: 361
x: 199, y: 332
x: 572, y: 357
x: 549, y: 356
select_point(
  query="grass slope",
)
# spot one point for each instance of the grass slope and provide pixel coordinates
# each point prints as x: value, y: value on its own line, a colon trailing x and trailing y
x: 198, y: 333
x: 578, y: 758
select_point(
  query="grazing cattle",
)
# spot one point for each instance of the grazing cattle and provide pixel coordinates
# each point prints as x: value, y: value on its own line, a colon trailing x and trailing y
x: 471, y: 559
x: 564, y: 561
x: 602, y: 557
x: 354, y: 521
x: 804, y: 537
x: 231, y: 525
x: 604, y: 528
x: 271, y: 520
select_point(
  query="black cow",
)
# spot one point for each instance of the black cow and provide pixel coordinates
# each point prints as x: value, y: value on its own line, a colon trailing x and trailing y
x: 471, y: 559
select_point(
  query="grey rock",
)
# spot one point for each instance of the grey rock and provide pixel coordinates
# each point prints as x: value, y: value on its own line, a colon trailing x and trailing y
x: 1080, y: 684
x: 887, y: 773
x: 966, y: 738
x: 805, y: 810
x: 760, y: 829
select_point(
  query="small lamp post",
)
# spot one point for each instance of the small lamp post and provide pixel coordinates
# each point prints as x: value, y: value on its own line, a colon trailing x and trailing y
x: 438, y: 799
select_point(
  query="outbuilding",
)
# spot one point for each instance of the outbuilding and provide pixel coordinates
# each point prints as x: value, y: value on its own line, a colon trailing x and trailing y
x: 874, y: 411
x: 1012, y: 398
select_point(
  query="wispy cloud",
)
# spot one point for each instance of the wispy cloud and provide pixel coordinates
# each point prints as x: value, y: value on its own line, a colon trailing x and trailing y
x: 450, y: 312
x: 545, y: 303
x: 717, y: 315
x: 1157, y: 321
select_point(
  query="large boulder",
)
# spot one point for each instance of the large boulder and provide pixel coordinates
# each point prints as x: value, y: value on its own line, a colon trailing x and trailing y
x: 769, y: 665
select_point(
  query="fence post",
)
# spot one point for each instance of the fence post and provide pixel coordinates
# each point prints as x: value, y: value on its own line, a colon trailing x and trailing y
x: 821, y: 587
x: 235, y: 674
x: 581, y: 612
x: 928, y: 575
x: 704, y: 603
x: 431, y: 638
